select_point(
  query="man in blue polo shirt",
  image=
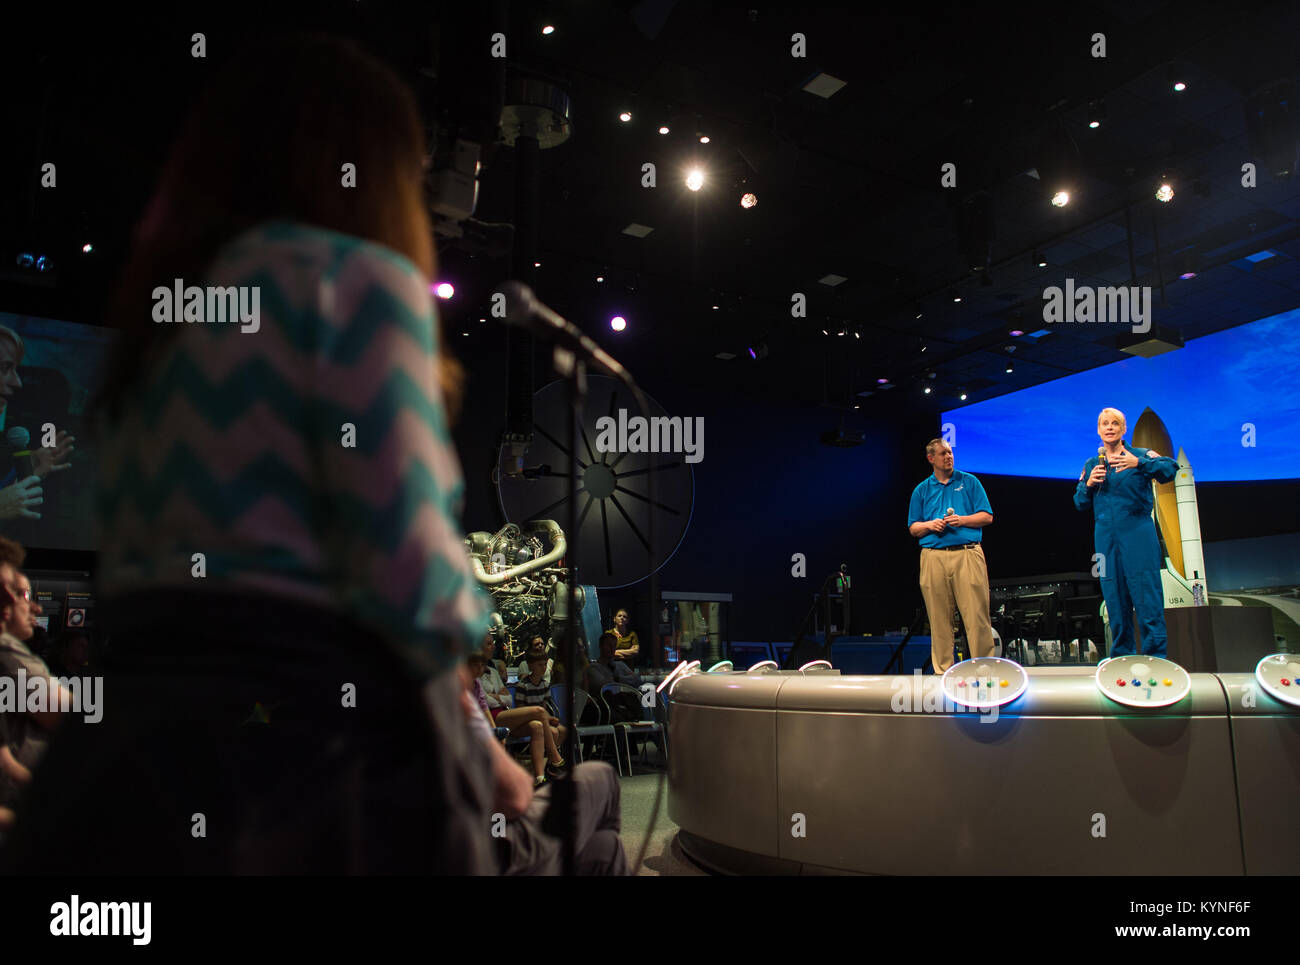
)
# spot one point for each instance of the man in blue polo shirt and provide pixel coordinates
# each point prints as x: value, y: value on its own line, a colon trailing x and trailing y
x: 947, y: 512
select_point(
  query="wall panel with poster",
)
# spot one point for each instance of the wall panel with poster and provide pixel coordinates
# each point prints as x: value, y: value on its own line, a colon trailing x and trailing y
x: 693, y: 626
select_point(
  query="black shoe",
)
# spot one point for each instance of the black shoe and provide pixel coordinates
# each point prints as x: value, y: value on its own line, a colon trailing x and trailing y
x: 555, y: 770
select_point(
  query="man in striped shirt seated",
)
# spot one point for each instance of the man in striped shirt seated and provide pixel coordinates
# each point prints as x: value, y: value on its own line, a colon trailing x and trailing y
x: 535, y: 686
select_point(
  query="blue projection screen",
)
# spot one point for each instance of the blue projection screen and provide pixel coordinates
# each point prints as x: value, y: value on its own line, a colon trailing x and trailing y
x: 1205, y: 393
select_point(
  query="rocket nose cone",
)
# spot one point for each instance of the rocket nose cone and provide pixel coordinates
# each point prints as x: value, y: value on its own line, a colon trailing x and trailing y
x: 1150, y: 433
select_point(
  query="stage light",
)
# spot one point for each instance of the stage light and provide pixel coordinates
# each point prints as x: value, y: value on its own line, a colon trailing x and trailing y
x: 1041, y: 261
x: 715, y: 308
x: 43, y: 264
x: 748, y: 200
x: 1164, y: 193
x: 695, y: 180
x: 600, y: 278
x: 1016, y: 333
x: 618, y: 323
x: 1010, y: 368
x: 953, y: 294
x: 664, y: 129
x: 87, y: 248
x: 1061, y: 198
x: 1096, y: 113
x: 26, y: 260
x: 1185, y: 276
x: 882, y: 381
x: 704, y: 139
x: 625, y: 116
x: 926, y: 390
x: 1180, y: 86
x: 857, y: 334
x: 465, y: 334
x: 537, y: 264
x: 963, y: 395
x: 548, y: 30
x: 482, y: 321
x: 444, y: 290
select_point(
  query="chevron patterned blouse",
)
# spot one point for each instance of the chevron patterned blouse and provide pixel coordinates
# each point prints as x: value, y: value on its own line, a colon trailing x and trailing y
x: 308, y: 459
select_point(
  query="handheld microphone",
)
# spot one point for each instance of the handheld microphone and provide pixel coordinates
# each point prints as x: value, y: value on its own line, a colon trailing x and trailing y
x: 19, y: 441
x: 1101, y: 454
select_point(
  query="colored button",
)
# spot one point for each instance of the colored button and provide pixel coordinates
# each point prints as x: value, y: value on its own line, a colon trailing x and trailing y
x: 1006, y: 683
x: 961, y: 683
x: 1136, y: 682
x: 1285, y: 682
x: 1120, y: 682
x: 1152, y: 682
x: 1168, y: 682
x: 990, y: 683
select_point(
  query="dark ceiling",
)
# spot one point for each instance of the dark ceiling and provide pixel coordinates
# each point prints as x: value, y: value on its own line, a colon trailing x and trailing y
x: 847, y: 185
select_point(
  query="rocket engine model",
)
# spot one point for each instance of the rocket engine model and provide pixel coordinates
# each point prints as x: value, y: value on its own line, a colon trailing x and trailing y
x: 529, y: 587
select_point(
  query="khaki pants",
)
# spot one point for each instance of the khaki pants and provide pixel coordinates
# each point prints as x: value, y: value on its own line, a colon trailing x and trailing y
x: 962, y: 577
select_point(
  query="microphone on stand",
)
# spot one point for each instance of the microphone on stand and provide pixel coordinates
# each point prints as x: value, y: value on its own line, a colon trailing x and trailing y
x: 525, y: 310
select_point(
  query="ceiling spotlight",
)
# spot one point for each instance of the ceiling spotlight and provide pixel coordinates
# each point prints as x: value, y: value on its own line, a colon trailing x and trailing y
x: 695, y: 180
x: 758, y: 351
x: 466, y: 334
x: 87, y: 248
x: 748, y: 200
x: 1096, y: 113
x: 952, y: 292
x: 482, y: 320
x: 548, y: 30
x: 1016, y: 333
x: 824, y: 332
x: 857, y: 334
x: 618, y: 323
x: 1010, y: 368
x: 600, y: 278
x: 537, y: 264
x: 704, y: 139
x: 926, y: 390
x: 963, y: 395
x: 1061, y: 198
x: 1164, y: 193
x: 625, y: 116
x: 882, y: 381
x: 444, y: 290
x: 1039, y: 259
x: 916, y: 312
x: 664, y: 129
x: 1179, y: 85
x: 715, y: 308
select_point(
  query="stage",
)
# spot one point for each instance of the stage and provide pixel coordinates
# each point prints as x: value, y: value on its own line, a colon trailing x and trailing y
x: 790, y: 773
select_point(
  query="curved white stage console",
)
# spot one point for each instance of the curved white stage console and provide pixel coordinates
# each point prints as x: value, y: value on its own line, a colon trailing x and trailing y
x: 782, y: 772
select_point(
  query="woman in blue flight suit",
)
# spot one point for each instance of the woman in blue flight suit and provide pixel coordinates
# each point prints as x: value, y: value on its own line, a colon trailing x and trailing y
x: 1118, y: 489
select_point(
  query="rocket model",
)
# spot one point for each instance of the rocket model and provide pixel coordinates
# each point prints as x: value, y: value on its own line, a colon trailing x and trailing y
x: 1189, y: 530
x: 1177, y: 517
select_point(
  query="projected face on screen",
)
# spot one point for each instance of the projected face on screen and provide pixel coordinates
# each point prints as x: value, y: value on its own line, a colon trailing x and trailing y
x: 10, y: 382
x: 49, y: 373
x: 1223, y: 397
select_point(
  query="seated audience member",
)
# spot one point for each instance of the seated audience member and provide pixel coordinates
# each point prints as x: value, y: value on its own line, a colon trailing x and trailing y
x: 609, y: 669
x: 538, y: 645
x: 494, y: 688
x: 489, y: 653
x: 69, y: 655
x: 528, y: 847
x: 28, y: 730
x: 533, y: 721
x: 626, y: 646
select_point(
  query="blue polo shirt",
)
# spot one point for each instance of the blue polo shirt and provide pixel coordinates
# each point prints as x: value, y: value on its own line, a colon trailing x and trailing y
x: 932, y: 499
